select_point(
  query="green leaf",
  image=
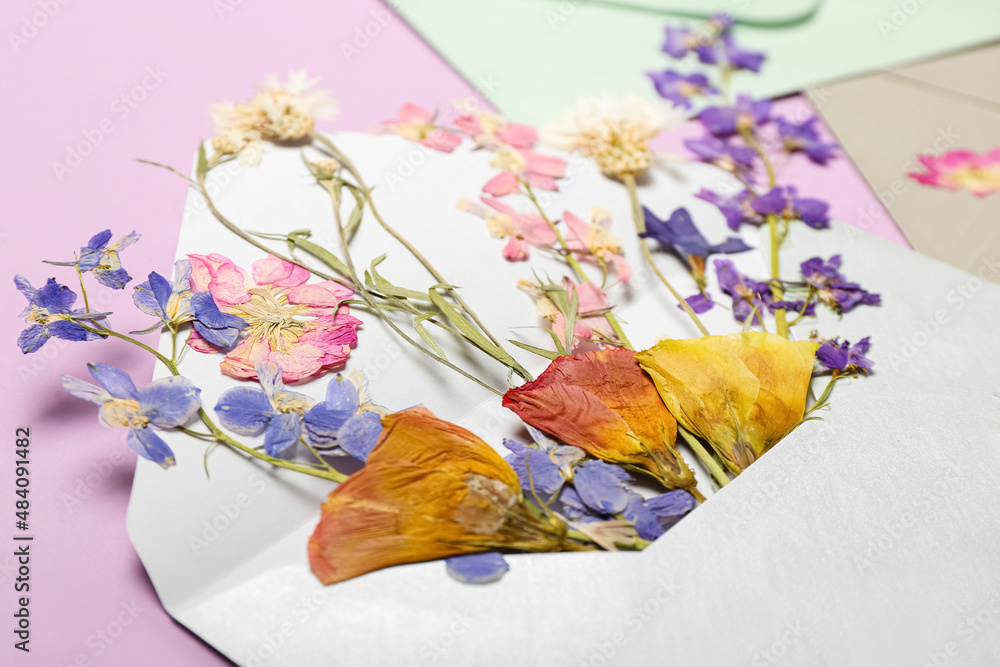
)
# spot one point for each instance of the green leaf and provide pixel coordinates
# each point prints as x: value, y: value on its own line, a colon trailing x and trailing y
x: 474, y: 336
x: 320, y: 253
x: 426, y: 335
x: 540, y: 351
x: 354, y: 220
x: 202, y: 161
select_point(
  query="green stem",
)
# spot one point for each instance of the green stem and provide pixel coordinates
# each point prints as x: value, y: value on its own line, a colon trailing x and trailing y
x: 335, y: 200
x: 718, y: 473
x: 343, y: 159
x: 218, y: 434
x: 574, y: 264
x: 826, y: 393
x: 83, y: 289
x: 640, y: 228
x: 780, y: 318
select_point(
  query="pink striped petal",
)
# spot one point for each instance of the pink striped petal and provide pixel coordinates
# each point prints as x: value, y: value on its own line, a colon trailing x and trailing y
x: 517, y: 135
x: 502, y: 184
x: 413, y: 113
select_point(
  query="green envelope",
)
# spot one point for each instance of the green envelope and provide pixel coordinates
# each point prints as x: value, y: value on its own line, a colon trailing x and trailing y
x: 534, y: 58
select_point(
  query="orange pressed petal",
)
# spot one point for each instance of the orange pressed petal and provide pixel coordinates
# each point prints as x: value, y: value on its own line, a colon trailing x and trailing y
x: 430, y: 490
x: 605, y: 404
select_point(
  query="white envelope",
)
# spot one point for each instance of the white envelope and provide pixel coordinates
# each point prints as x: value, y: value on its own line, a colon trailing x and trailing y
x: 869, y: 538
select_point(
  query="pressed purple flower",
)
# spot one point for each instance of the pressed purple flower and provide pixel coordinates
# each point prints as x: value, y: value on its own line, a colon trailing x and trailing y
x: 50, y: 314
x: 699, y: 302
x: 739, y: 58
x: 164, y: 403
x: 745, y: 114
x: 722, y: 154
x: 267, y: 408
x: 786, y: 203
x: 804, y: 137
x: 746, y: 292
x: 736, y: 209
x: 346, y: 418
x: 477, y: 568
x: 102, y: 259
x: 844, y: 357
x: 832, y: 287
x: 679, y: 89
x: 679, y: 233
x: 678, y: 42
x: 174, y: 303
x: 654, y: 516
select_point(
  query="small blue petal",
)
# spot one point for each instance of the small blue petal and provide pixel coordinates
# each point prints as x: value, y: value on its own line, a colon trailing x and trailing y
x: 322, y: 423
x: 601, y: 486
x: 244, y: 410
x: 341, y: 394
x: 99, y: 240
x: 359, y: 434
x: 145, y: 301
x: 113, y: 278
x: 169, y: 402
x: 68, y: 330
x: 54, y: 298
x: 477, y: 568
x: 161, y: 288
x: 85, y: 390
x: 269, y: 377
x: 116, y: 381
x: 147, y: 444
x: 282, y: 432
x: 32, y: 339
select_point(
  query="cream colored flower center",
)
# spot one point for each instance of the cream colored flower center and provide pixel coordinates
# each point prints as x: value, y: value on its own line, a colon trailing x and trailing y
x: 271, y: 317
x: 122, y: 412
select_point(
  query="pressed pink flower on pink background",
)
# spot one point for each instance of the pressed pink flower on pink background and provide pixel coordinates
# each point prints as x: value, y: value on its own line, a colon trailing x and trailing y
x: 962, y: 170
x: 303, y: 328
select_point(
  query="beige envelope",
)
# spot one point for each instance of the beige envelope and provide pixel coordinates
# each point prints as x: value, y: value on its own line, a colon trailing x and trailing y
x: 885, y: 119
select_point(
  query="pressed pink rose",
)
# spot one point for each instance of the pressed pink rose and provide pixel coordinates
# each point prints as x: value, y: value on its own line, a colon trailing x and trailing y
x: 302, y: 328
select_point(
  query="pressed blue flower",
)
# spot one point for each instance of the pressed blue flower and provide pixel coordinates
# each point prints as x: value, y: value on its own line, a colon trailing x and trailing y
x: 736, y: 209
x: 574, y: 509
x: 102, y: 259
x: 679, y: 89
x: 601, y: 486
x: 786, y: 203
x: 477, y: 568
x: 174, y: 303
x: 50, y: 314
x: 804, y: 137
x: 654, y: 516
x: 844, y: 357
x: 832, y: 287
x: 679, y: 233
x: 544, y: 467
x: 267, y: 408
x: 739, y: 58
x: 163, y: 403
x: 745, y: 114
x: 678, y: 42
x: 346, y: 418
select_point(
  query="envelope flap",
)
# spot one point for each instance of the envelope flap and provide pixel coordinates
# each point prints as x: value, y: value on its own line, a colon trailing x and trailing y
x: 764, y: 13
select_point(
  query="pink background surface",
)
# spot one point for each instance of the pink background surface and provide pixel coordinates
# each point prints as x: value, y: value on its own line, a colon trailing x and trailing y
x: 59, y: 84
